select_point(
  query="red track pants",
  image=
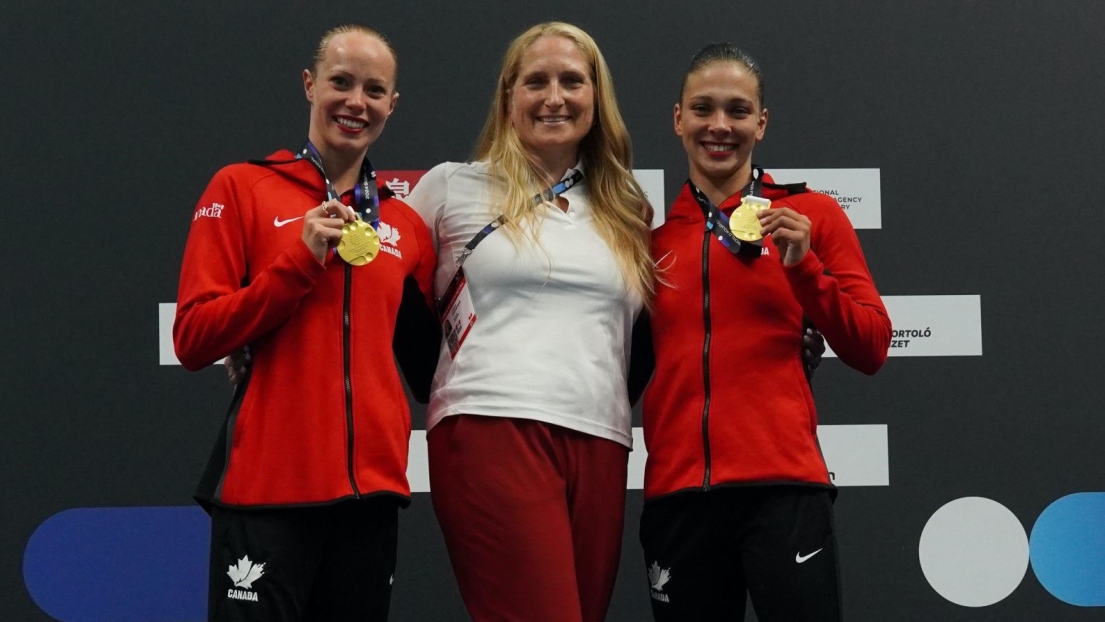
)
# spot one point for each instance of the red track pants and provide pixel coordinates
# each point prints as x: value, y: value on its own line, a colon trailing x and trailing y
x: 532, y: 515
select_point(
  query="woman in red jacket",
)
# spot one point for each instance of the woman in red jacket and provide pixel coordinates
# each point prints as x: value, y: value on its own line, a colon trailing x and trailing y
x: 738, y: 497
x: 309, y: 470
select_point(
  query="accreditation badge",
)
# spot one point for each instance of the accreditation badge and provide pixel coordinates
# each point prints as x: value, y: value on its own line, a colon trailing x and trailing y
x: 457, y: 312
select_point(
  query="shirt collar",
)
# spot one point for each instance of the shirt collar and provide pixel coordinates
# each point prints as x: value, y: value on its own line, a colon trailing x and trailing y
x: 578, y: 167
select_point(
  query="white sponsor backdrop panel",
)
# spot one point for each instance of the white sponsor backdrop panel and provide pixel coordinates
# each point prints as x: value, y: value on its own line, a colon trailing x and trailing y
x: 651, y: 181
x: 858, y: 190
x: 934, y: 325
x: 418, y: 465
x: 166, y: 312
x: 857, y: 455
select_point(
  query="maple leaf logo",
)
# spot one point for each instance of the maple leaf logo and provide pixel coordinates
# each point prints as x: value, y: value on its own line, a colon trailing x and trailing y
x: 389, y: 234
x: 658, y: 577
x: 245, y: 573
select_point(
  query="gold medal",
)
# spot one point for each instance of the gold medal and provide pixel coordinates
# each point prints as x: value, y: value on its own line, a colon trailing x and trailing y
x: 743, y: 223
x: 359, y: 243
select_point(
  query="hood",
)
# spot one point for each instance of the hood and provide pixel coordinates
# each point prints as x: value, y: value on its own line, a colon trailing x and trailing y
x: 302, y: 173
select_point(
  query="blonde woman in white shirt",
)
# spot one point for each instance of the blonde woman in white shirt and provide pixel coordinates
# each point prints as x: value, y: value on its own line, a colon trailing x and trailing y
x: 529, y: 423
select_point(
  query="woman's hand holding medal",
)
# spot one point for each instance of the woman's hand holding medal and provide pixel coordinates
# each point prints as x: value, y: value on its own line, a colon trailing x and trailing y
x: 322, y: 227
x: 789, y: 230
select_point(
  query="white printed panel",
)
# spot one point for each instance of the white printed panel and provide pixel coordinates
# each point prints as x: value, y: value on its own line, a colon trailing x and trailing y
x: 651, y: 181
x: 856, y: 455
x: 636, y: 471
x: 418, y: 464
x: 858, y: 190
x: 166, y: 313
x: 934, y: 325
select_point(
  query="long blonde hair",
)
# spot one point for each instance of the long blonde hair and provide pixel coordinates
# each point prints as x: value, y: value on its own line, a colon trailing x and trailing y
x: 622, y: 214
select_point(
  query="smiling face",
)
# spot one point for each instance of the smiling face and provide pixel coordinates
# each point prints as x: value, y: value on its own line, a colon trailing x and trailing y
x: 552, y: 102
x: 720, y: 119
x: 352, y: 94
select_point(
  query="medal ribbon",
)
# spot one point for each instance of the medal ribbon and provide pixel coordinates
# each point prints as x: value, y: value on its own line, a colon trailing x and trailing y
x: 717, y: 223
x: 365, y: 194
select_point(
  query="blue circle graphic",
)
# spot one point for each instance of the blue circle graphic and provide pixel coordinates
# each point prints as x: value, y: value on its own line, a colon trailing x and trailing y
x: 1067, y: 549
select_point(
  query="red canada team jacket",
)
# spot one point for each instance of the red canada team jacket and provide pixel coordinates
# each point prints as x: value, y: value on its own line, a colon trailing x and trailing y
x: 729, y: 403
x: 322, y: 415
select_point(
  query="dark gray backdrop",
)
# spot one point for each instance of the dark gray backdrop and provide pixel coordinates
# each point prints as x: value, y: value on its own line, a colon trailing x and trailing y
x: 984, y: 118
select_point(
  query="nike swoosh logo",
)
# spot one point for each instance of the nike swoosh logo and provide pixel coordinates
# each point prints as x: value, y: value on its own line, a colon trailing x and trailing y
x: 798, y: 557
x: 280, y: 223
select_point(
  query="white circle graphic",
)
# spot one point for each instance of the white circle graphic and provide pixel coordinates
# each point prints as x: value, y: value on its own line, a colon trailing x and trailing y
x: 974, y: 552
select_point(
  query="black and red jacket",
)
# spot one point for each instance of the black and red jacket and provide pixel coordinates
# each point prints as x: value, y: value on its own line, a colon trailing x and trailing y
x: 729, y: 403
x: 322, y: 415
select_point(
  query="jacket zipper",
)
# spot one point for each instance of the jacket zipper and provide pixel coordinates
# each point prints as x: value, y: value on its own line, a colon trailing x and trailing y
x: 706, y: 357
x: 348, y: 379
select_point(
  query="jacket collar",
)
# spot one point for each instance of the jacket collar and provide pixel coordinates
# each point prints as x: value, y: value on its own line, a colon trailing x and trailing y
x: 302, y: 173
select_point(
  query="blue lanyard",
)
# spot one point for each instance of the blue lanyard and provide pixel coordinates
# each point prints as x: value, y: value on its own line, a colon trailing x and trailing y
x: 365, y: 194
x: 550, y: 194
x: 717, y: 223
x: 547, y: 195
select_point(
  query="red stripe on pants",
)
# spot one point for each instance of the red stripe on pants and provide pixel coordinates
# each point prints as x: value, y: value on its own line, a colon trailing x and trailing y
x: 532, y: 515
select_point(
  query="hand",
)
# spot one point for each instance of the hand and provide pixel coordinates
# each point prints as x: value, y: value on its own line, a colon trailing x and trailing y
x: 813, y: 348
x: 238, y: 365
x: 789, y: 230
x: 322, y: 227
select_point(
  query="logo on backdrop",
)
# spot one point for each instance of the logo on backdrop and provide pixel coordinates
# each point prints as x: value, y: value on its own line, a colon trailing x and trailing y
x: 934, y: 325
x: 858, y: 190
x: 401, y: 182
x: 243, y: 575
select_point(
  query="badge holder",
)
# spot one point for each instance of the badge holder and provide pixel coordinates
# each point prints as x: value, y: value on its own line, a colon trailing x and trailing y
x: 457, y: 312
x: 455, y: 308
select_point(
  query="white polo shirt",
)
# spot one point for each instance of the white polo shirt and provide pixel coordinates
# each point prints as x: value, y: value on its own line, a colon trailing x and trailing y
x: 553, y: 321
